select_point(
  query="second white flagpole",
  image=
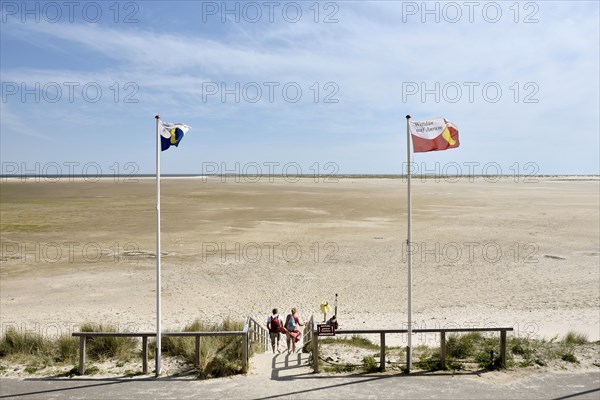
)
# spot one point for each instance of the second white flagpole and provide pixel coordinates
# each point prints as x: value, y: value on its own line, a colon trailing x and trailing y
x: 158, y: 284
x: 409, y: 248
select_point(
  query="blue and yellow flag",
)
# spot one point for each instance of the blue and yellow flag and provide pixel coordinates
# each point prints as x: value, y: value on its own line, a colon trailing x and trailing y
x: 171, y: 134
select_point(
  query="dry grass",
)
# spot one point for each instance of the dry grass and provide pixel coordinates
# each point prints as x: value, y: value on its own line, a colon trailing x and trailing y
x: 221, y: 355
x: 35, y: 351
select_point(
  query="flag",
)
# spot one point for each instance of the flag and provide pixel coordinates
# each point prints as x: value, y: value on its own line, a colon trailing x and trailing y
x: 171, y: 134
x: 433, y: 134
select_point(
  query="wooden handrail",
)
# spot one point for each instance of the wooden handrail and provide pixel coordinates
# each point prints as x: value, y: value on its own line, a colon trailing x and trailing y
x: 307, y: 334
x: 447, y: 330
x: 114, y: 334
x: 252, y: 332
x: 263, y: 333
x: 245, y: 346
x: 152, y: 334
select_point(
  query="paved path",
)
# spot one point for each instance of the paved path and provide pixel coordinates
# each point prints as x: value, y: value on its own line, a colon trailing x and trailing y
x: 287, y: 376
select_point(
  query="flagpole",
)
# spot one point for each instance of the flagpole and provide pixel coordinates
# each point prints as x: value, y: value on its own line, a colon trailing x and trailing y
x: 409, y: 249
x: 158, y: 284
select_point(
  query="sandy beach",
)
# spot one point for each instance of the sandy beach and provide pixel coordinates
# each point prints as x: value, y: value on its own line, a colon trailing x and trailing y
x: 500, y: 251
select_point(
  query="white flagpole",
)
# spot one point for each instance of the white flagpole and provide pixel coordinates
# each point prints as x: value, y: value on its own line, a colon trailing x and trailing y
x: 409, y: 248
x: 158, y: 285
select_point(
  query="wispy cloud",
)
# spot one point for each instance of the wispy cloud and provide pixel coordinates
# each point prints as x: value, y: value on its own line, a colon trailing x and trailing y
x: 371, y: 55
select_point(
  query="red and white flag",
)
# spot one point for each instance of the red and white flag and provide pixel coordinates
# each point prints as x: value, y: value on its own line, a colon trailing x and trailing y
x: 433, y: 135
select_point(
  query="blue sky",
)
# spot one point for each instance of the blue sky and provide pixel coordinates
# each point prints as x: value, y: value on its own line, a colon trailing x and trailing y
x: 81, y: 85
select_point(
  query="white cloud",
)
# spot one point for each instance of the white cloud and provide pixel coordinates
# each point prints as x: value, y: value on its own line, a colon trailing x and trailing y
x: 369, y: 54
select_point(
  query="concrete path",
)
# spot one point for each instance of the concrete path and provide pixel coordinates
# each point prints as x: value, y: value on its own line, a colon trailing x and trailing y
x: 287, y: 376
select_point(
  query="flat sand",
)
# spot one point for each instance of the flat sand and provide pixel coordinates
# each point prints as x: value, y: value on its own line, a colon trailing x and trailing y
x: 487, y: 252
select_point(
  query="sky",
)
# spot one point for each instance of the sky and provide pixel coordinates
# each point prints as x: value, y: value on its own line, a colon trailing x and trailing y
x: 298, y: 87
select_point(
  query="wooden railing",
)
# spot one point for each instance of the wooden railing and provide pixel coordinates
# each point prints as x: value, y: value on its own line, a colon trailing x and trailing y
x: 383, y: 332
x: 309, y: 329
x: 252, y: 332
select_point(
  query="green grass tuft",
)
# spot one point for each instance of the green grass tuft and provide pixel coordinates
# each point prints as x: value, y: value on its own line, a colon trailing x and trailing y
x: 35, y: 350
x: 463, y: 346
x: 102, y: 348
x: 521, y: 346
x: 370, y: 364
x: 31, y: 369
x: 130, y: 374
x: 574, y: 338
x: 68, y: 348
x: 429, y: 359
x: 354, y: 341
x: 569, y: 357
x: 221, y: 355
x: 220, y: 366
x: 340, y: 368
x: 93, y: 370
x: 23, y: 343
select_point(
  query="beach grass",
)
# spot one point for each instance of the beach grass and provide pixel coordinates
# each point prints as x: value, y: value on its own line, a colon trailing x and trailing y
x: 574, y: 338
x: 465, y: 351
x: 221, y: 355
x: 102, y: 348
x: 463, y: 346
x: 354, y: 341
x: 35, y: 351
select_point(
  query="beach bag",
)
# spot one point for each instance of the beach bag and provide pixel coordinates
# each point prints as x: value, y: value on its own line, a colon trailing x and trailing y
x: 275, y: 324
x: 290, y: 323
x: 333, y: 322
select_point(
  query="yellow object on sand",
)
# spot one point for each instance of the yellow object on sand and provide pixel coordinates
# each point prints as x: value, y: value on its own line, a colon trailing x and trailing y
x: 325, y: 307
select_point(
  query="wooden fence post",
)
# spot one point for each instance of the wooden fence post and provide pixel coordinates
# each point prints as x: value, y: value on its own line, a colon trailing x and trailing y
x: 265, y: 340
x: 81, y: 355
x: 245, y: 352
x: 198, y: 351
x: 145, y: 354
x: 315, y: 352
x: 443, y: 349
x: 382, y: 352
x: 503, y: 348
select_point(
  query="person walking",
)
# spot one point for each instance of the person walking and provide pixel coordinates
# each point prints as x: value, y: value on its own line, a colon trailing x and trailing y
x: 275, y: 326
x: 293, y: 331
